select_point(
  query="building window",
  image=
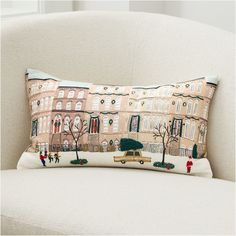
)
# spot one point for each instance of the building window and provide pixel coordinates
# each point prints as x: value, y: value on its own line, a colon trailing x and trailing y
x: 40, y: 125
x: 210, y: 92
x: 80, y: 94
x: 202, y: 133
x: 118, y: 103
x: 94, y: 125
x: 148, y: 105
x: 76, y: 123
x: 34, y: 131
x: 107, y: 103
x: 192, y: 87
x: 49, y: 123
x: 192, y: 130
x: 199, y: 87
x: 189, y: 107
x: 205, y: 111
x: 146, y: 123
x: 178, y: 106
x: 59, y: 106
x: 66, y: 123
x: 134, y: 123
x: 57, y: 124
x: 71, y: 94
x: 105, y: 124
x: 177, y: 127
x: 187, y: 128
x: 78, y: 106
x: 68, y: 106
x: 66, y: 145
x: 95, y: 103
x: 44, y: 124
x: 195, y: 108
x: 116, y: 124
x: 61, y: 94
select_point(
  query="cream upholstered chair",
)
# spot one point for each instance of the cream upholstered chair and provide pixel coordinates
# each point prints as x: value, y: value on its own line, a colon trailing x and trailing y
x: 118, y: 48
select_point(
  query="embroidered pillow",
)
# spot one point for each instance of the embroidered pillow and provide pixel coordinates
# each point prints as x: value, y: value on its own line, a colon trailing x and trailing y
x: 160, y: 127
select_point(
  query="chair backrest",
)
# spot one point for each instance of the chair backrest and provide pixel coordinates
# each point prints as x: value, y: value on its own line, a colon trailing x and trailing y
x: 119, y: 48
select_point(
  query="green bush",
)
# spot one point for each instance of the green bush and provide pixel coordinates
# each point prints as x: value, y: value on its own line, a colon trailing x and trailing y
x: 167, y: 166
x: 79, y: 162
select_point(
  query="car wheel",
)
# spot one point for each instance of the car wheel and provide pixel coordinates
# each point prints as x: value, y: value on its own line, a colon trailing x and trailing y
x: 123, y: 162
x: 141, y: 162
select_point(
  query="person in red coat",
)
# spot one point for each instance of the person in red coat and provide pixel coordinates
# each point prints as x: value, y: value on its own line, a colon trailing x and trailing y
x: 42, y: 157
x: 189, y: 164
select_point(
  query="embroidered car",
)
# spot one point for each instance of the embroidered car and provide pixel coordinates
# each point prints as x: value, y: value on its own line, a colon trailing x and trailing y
x: 132, y: 155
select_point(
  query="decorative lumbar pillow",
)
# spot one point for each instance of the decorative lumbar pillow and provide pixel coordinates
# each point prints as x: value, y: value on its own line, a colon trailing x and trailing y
x: 160, y: 127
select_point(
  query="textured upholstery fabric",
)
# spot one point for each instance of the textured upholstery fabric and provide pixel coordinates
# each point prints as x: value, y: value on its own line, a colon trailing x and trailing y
x: 115, y: 201
x: 119, y: 48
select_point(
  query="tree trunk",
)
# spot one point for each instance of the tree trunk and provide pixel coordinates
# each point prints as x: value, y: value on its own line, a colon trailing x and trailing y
x: 163, y: 156
x: 76, y: 151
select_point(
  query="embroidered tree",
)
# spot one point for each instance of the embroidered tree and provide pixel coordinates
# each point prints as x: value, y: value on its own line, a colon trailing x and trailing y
x: 165, y: 132
x: 76, y: 130
x: 130, y: 144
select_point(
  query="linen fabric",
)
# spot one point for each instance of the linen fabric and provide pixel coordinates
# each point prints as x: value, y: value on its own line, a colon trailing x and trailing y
x: 159, y: 127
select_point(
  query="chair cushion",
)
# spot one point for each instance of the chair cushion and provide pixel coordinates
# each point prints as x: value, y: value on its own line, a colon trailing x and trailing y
x: 111, y: 201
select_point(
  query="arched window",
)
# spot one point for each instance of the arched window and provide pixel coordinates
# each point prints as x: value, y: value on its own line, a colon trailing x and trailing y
x: 57, y: 124
x: 71, y: 94
x: 189, y: 107
x: 178, y: 106
x: 192, y: 87
x: 107, y: 102
x: 116, y: 124
x: 95, y: 103
x: 81, y: 94
x: 187, y: 129
x: 195, y: 108
x: 66, y: 123
x: 199, y: 87
x: 61, y: 94
x: 105, y: 124
x: 59, y: 106
x: 68, y: 106
x: 192, y: 130
x: 78, y: 106
x: 76, y: 123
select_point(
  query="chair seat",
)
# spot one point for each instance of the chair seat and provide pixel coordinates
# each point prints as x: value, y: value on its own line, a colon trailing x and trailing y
x: 114, y: 201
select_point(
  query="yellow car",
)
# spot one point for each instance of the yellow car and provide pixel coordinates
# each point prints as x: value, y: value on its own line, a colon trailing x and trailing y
x: 132, y: 155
